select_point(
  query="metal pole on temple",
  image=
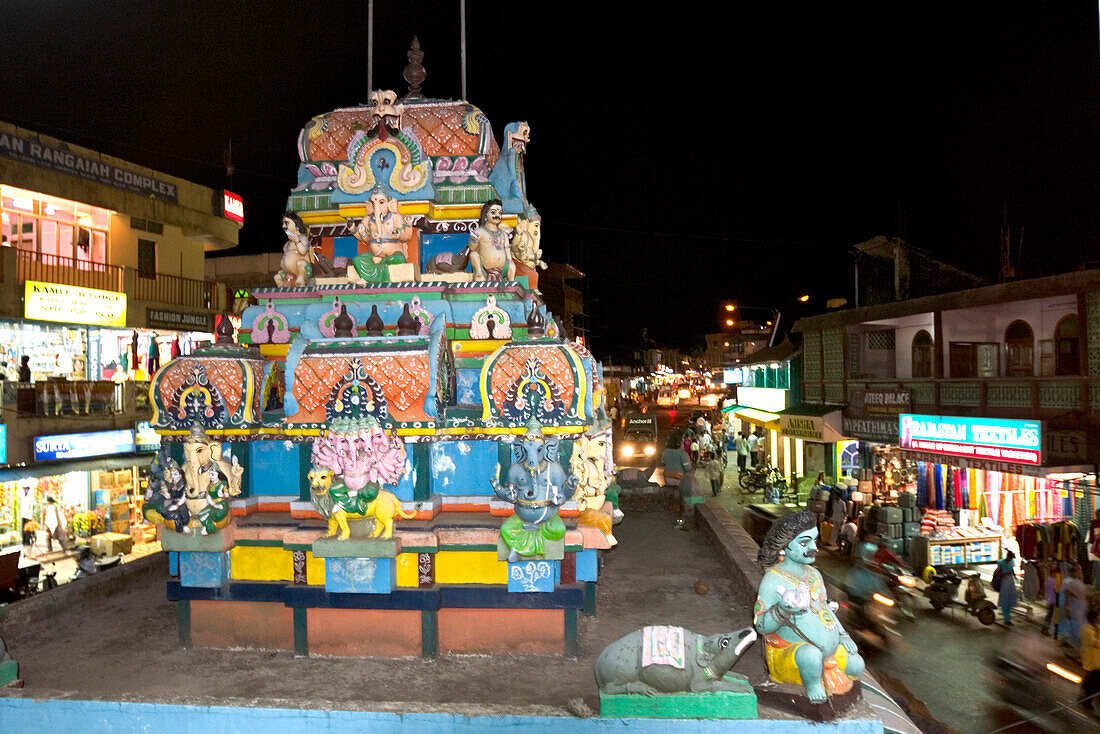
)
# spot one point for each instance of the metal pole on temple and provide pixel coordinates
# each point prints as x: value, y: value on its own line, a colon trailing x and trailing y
x: 462, y: 11
x: 370, y: 45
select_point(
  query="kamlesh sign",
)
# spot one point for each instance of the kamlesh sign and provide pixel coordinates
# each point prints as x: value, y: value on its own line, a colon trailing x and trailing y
x: 233, y: 206
x: 993, y: 439
x: 81, y: 445
x: 73, y: 305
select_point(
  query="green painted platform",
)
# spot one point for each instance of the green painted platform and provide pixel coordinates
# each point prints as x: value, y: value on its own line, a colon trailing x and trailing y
x: 357, y: 548
x: 710, y: 705
x: 196, y: 542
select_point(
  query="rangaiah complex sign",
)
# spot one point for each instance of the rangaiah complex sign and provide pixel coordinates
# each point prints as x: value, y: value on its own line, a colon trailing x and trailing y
x: 977, y: 438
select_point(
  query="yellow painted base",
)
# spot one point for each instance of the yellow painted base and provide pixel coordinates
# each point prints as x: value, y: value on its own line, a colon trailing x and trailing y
x: 315, y: 570
x: 408, y: 572
x: 261, y: 563
x: 274, y: 350
x: 470, y: 567
x: 478, y: 346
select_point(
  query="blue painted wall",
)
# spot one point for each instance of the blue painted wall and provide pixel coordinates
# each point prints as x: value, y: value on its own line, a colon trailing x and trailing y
x: 463, y: 467
x: 467, y: 386
x: 274, y: 467
x: 91, y: 717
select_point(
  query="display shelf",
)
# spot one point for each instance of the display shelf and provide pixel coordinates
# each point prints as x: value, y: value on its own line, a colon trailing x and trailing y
x: 925, y: 551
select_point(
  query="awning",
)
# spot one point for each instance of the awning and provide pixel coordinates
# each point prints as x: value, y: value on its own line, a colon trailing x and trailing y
x: 731, y: 408
x: 758, y: 417
x: 812, y: 422
x: 49, y: 469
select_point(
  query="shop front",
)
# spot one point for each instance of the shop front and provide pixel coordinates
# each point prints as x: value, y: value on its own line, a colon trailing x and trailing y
x: 872, y: 455
x: 995, y: 474
x: 97, y: 478
x: 811, y: 433
x: 758, y: 412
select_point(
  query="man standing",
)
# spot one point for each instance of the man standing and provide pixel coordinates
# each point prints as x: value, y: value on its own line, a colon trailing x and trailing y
x: 54, y: 520
x: 754, y: 443
x: 742, y: 446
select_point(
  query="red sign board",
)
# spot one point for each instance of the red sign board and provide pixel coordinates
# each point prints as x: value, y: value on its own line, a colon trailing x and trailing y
x: 233, y: 206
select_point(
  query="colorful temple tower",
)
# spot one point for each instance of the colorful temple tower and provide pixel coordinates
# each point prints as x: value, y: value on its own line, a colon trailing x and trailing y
x: 402, y: 455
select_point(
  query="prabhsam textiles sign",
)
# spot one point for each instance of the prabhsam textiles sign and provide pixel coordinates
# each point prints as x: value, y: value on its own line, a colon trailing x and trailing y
x: 992, y: 439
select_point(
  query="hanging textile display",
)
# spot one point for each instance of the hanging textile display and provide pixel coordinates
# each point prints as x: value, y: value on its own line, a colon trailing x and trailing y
x: 938, y: 480
x: 922, y: 486
x: 949, y: 489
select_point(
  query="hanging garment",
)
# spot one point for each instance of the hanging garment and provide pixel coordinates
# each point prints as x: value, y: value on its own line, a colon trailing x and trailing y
x: 949, y: 489
x: 1032, y: 585
x: 922, y: 488
x: 938, y: 481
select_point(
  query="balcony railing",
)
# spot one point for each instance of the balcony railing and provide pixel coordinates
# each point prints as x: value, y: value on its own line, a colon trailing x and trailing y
x: 176, y: 290
x: 59, y: 398
x: 69, y: 271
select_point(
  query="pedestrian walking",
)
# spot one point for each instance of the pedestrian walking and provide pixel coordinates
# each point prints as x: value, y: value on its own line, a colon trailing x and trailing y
x: 1076, y: 595
x: 1004, y: 578
x: 24, y: 369
x: 754, y: 445
x: 676, y: 463
x: 1090, y: 661
x: 742, y: 446
x: 1094, y: 548
x: 29, y: 529
x: 54, y: 520
x: 1051, y: 593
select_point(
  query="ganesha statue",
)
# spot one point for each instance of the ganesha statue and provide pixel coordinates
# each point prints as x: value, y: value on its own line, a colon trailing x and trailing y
x: 197, y: 493
x: 589, y: 465
x: 803, y: 640
x: 351, y: 462
x: 537, y: 486
x: 385, y: 233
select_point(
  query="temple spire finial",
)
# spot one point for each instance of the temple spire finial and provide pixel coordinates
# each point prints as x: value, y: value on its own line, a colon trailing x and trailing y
x: 415, y: 73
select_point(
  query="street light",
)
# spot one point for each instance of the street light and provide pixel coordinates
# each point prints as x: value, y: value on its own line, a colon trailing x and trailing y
x: 730, y: 307
x: 804, y: 297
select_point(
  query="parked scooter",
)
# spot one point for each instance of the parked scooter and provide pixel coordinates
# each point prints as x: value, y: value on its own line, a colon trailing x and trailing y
x: 87, y: 564
x: 943, y: 591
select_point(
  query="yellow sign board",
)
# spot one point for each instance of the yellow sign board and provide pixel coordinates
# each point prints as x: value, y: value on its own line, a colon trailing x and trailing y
x: 73, y: 305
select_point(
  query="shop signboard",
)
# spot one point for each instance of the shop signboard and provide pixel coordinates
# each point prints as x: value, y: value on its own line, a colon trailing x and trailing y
x: 62, y: 160
x: 988, y: 439
x: 233, y: 206
x: 770, y: 399
x: 72, y: 304
x: 809, y: 427
x: 81, y: 445
x: 146, y: 440
x: 872, y: 415
x: 156, y: 318
x: 736, y: 376
x: 1066, y: 447
x: 3, y: 443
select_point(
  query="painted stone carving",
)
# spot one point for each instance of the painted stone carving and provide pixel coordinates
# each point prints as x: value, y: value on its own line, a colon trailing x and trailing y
x: 385, y: 233
x: 422, y: 315
x: 338, y: 504
x: 364, y: 169
x: 270, y: 327
x: 196, y: 494
x: 526, y: 243
x: 490, y: 322
x: 326, y: 323
x: 508, y: 176
x: 351, y: 462
x: 589, y: 465
x: 537, y: 486
x: 448, y: 262
x: 490, y: 253
x: 804, y: 642
x: 166, y: 495
x: 663, y: 659
x: 296, y: 265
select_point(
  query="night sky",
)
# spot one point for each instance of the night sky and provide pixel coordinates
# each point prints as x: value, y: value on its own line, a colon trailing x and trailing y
x: 679, y: 160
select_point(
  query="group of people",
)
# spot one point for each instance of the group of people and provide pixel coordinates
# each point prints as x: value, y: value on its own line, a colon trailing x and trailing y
x: 697, y: 452
x: 750, y: 448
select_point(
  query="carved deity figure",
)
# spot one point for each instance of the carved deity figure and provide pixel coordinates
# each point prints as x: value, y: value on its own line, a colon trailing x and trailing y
x: 295, y: 265
x: 804, y: 642
x: 537, y: 485
x: 588, y: 464
x: 508, y: 176
x: 198, y: 492
x: 385, y: 233
x: 351, y: 462
x: 490, y: 252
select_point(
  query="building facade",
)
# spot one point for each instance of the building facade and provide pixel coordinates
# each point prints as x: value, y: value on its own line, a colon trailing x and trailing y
x: 101, y: 280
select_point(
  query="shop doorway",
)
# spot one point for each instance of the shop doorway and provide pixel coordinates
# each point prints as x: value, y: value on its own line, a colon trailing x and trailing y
x: 1067, y: 359
x: 1020, y: 344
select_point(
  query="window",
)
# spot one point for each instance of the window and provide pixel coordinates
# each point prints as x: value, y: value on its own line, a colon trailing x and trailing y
x: 147, y: 259
x: 922, y: 354
x: 56, y: 231
x: 1066, y: 357
x: 1020, y: 345
x: 969, y: 359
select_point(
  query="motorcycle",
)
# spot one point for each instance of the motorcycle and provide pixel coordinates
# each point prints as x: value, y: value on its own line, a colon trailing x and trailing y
x: 761, y: 478
x: 943, y: 591
x: 872, y: 621
x: 1039, y: 692
x: 88, y: 564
